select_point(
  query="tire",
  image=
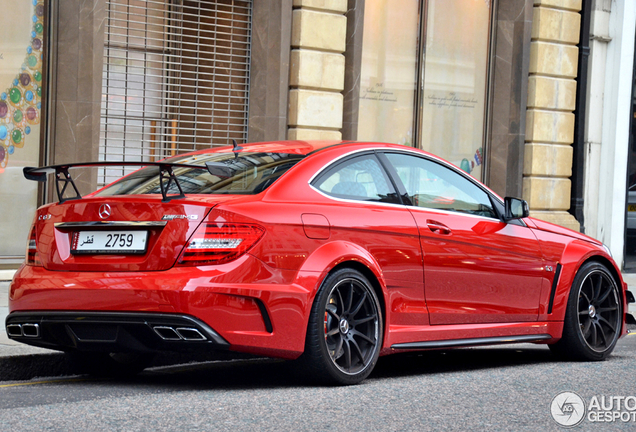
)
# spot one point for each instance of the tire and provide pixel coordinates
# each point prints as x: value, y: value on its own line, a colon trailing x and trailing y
x: 117, y: 365
x: 345, y: 332
x: 593, y: 317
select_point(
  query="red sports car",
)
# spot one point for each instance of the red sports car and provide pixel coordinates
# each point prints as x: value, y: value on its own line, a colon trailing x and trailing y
x: 332, y: 253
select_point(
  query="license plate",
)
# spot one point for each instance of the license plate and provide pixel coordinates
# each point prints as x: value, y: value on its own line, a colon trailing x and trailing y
x: 631, y: 207
x: 109, y: 242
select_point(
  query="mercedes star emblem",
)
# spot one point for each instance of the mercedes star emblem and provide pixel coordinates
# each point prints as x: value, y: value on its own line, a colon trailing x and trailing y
x: 104, y: 211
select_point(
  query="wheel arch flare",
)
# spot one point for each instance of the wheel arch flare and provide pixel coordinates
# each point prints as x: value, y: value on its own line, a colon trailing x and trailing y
x: 335, y: 255
x: 575, y: 255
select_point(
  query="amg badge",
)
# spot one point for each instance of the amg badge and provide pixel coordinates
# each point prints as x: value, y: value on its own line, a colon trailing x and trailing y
x: 171, y: 217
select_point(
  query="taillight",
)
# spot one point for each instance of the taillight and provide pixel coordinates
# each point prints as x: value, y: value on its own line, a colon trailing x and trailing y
x: 214, y: 244
x: 32, y: 257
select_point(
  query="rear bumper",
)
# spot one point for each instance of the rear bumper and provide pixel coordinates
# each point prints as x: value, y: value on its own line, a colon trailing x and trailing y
x: 113, y: 331
x: 254, y: 308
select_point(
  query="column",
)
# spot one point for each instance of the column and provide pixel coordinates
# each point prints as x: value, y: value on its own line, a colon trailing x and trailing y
x: 550, y: 117
x: 317, y: 66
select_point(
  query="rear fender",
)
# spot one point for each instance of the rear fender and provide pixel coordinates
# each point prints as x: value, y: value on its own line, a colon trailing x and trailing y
x: 328, y: 256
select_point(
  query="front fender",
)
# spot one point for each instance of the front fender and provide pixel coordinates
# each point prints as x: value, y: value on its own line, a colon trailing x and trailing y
x: 574, y: 255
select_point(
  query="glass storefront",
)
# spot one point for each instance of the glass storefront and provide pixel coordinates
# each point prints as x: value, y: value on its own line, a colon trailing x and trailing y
x: 440, y: 47
x: 388, y: 72
x: 21, y: 47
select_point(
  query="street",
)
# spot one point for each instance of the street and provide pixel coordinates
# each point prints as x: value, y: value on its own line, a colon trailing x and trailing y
x: 494, y: 388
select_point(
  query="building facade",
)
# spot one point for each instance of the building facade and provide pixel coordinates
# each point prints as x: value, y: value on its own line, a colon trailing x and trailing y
x: 609, y: 141
x: 489, y: 85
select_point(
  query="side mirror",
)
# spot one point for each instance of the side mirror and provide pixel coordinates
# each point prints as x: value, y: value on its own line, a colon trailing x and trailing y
x: 515, y: 208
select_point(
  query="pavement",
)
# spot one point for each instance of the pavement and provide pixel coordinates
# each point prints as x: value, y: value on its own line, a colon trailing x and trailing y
x: 8, y: 346
x: 20, y: 362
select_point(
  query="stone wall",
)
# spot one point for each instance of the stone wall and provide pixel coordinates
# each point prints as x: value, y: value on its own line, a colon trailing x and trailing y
x: 317, y: 66
x: 508, y: 96
x: 550, y: 117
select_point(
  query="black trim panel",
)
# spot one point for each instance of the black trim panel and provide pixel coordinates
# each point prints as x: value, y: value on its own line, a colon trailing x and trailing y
x: 471, y: 342
x: 266, y: 319
x: 112, y: 331
x: 554, y: 287
x: 393, y: 175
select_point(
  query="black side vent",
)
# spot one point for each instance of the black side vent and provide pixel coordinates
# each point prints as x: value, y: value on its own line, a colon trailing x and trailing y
x: 266, y: 319
x: 555, y: 282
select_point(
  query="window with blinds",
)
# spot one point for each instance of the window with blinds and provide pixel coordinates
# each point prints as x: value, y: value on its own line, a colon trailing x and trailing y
x: 176, y: 78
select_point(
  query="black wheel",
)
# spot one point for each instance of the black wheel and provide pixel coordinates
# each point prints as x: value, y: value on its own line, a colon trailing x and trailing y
x: 344, y: 335
x: 593, y: 316
x: 110, y: 364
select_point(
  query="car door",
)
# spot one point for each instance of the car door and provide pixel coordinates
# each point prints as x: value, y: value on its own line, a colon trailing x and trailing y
x: 477, y: 268
x: 365, y: 210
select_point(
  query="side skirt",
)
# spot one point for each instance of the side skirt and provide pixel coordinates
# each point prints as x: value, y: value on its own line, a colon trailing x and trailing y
x: 405, y: 337
x: 470, y: 342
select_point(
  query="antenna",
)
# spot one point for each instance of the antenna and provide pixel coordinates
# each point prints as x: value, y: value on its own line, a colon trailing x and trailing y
x: 236, y: 146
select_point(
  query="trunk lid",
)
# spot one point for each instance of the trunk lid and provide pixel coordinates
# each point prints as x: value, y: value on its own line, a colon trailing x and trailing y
x: 162, y: 228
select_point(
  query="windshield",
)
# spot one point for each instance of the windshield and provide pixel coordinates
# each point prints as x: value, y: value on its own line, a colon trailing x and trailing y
x: 241, y: 173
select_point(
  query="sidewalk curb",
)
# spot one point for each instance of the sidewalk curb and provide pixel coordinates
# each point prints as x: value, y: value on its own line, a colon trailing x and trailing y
x: 22, y: 367
x: 26, y: 367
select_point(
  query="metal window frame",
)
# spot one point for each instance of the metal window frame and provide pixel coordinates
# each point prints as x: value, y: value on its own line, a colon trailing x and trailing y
x: 420, y: 78
x: 176, y: 78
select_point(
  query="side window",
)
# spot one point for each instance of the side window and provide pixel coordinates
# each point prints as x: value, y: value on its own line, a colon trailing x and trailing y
x: 360, y: 178
x: 432, y: 185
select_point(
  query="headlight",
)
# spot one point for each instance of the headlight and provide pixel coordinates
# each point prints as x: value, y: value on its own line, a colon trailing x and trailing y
x: 609, y: 252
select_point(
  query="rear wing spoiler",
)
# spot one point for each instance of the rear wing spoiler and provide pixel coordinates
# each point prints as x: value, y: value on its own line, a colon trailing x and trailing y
x: 63, y: 178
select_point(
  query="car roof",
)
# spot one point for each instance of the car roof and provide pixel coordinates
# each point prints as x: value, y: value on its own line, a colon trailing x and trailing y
x: 301, y: 147
x: 291, y: 147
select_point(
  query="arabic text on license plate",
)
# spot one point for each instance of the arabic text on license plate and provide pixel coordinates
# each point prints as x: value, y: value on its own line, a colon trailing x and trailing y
x: 631, y: 207
x: 109, y: 242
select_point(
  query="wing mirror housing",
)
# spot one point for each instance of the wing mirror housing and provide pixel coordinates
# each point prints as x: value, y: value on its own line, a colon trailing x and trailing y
x: 515, y: 208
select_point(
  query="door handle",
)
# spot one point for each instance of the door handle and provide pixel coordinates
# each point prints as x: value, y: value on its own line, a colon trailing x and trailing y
x: 438, y: 228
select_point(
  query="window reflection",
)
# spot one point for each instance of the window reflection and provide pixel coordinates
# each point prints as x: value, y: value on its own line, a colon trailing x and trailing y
x: 431, y: 185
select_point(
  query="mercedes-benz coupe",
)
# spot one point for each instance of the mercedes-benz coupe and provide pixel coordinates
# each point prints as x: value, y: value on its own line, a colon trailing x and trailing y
x: 329, y: 253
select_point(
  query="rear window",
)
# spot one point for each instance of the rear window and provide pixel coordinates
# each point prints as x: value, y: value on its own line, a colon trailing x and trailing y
x: 241, y: 173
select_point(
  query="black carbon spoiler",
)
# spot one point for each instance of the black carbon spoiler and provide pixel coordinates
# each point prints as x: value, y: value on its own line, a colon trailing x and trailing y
x: 63, y: 178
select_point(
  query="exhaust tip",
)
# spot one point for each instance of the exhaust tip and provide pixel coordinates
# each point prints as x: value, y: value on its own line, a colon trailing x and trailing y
x: 167, y: 333
x: 31, y: 330
x: 179, y: 333
x: 190, y: 334
x: 14, y: 330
